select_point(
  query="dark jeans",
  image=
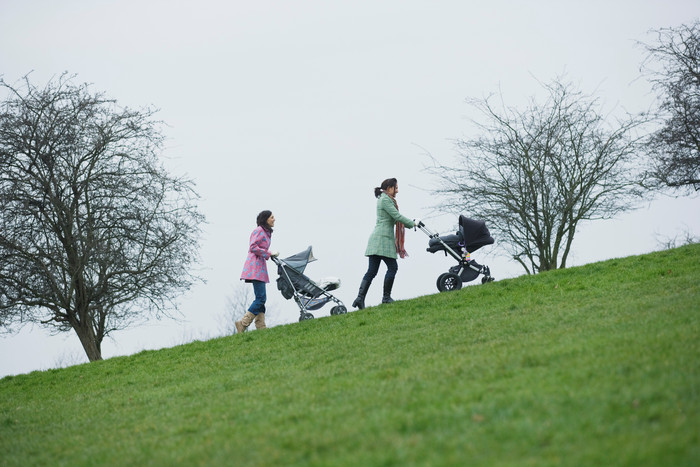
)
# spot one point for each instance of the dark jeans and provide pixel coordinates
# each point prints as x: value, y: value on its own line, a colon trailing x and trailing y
x: 258, y: 305
x: 374, y: 262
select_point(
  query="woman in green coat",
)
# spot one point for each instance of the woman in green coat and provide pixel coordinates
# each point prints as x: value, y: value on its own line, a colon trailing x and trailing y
x: 386, y: 241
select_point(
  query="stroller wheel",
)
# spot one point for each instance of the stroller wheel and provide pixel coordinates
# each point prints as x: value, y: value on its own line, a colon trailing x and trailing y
x: 339, y: 310
x: 305, y: 316
x: 439, y: 279
x: 449, y: 281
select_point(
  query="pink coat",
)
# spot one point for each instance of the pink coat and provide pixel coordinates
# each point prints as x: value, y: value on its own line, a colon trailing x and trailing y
x: 255, y: 267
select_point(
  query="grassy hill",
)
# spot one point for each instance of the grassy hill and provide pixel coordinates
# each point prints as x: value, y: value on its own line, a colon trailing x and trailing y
x: 594, y: 365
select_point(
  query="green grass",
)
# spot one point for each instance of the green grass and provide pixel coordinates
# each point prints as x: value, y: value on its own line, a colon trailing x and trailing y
x: 594, y: 365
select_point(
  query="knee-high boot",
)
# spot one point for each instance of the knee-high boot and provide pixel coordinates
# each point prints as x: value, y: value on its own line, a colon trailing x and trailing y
x: 260, y: 321
x: 360, y: 300
x: 388, y: 285
x: 243, y: 324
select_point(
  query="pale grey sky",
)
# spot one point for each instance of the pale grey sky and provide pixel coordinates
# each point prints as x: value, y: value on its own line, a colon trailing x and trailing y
x: 303, y: 107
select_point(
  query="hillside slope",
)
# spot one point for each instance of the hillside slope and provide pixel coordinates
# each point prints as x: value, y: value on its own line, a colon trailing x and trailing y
x: 586, y: 366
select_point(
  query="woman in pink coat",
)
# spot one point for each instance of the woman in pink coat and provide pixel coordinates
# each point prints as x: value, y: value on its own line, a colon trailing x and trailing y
x: 255, y: 270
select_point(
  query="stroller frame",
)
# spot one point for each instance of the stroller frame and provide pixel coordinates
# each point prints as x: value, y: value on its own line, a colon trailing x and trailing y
x: 466, y: 270
x: 306, y: 294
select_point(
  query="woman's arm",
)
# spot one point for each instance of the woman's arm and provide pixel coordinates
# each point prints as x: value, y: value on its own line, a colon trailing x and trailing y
x: 257, y: 244
x: 388, y: 205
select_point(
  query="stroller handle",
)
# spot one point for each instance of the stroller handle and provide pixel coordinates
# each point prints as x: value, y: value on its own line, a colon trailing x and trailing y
x: 420, y: 225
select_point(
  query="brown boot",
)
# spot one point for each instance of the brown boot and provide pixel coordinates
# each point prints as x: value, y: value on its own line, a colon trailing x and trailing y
x: 260, y: 321
x: 243, y: 324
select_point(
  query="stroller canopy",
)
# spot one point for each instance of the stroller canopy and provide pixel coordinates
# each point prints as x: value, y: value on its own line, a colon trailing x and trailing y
x: 475, y: 233
x: 299, y: 261
x: 471, y: 236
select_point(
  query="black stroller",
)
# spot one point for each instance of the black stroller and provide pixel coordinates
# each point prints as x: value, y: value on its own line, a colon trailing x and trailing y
x: 471, y: 236
x: 308, y: 294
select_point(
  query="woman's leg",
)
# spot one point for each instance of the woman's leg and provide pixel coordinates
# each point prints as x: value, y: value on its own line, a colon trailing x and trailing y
x: 392, y: 267
x: 260, y: 297
x: 258, y: 305
x: 373, y: 268
x: 371, y: 273
x: 256, y: 308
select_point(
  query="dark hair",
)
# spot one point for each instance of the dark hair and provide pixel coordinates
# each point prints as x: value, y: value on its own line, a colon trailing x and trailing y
x: 262, y: 220
x: 388, y: 183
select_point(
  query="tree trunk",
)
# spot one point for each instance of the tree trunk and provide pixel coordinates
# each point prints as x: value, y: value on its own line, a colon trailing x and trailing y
x: 88, y: 340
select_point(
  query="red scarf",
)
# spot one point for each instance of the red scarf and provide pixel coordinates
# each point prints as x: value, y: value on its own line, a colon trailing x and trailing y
x: 400, y: 232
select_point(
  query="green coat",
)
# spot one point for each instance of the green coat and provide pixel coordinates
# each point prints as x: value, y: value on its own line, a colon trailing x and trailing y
x: 382, y: 242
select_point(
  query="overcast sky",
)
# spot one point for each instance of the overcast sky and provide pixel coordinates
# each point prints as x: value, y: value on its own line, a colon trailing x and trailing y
x: 304, y: 107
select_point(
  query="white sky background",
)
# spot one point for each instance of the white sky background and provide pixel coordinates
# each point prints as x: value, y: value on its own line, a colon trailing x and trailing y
x: 304, y: 107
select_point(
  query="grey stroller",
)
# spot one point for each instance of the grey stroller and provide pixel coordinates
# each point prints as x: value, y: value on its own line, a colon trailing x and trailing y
x: 471, y: 236
x: 308, y: 295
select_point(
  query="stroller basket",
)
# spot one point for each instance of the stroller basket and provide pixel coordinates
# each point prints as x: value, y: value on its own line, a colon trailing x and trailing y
x: 472, y: 235
x: 296, y: 282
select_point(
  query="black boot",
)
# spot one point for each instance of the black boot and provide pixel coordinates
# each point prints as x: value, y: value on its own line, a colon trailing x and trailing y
x: 360, y: 300
x: 388, y: 285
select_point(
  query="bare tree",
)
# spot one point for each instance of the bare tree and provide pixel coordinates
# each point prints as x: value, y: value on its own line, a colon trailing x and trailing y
x: 237, y: 304
x: 94, y: 234
x: 535, y: 174
x: 673, y: 67
x: 686, y: 237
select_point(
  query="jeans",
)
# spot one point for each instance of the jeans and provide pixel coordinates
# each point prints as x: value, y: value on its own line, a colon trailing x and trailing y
x: 374, y: 262
x: 258, y: 305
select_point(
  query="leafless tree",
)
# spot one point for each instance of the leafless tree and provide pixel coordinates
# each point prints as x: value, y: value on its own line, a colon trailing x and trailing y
x: 237, y: 304
x: 94, y: 234
x: 535, y: 174
x: 673, y: 67
x: 686, y: 237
